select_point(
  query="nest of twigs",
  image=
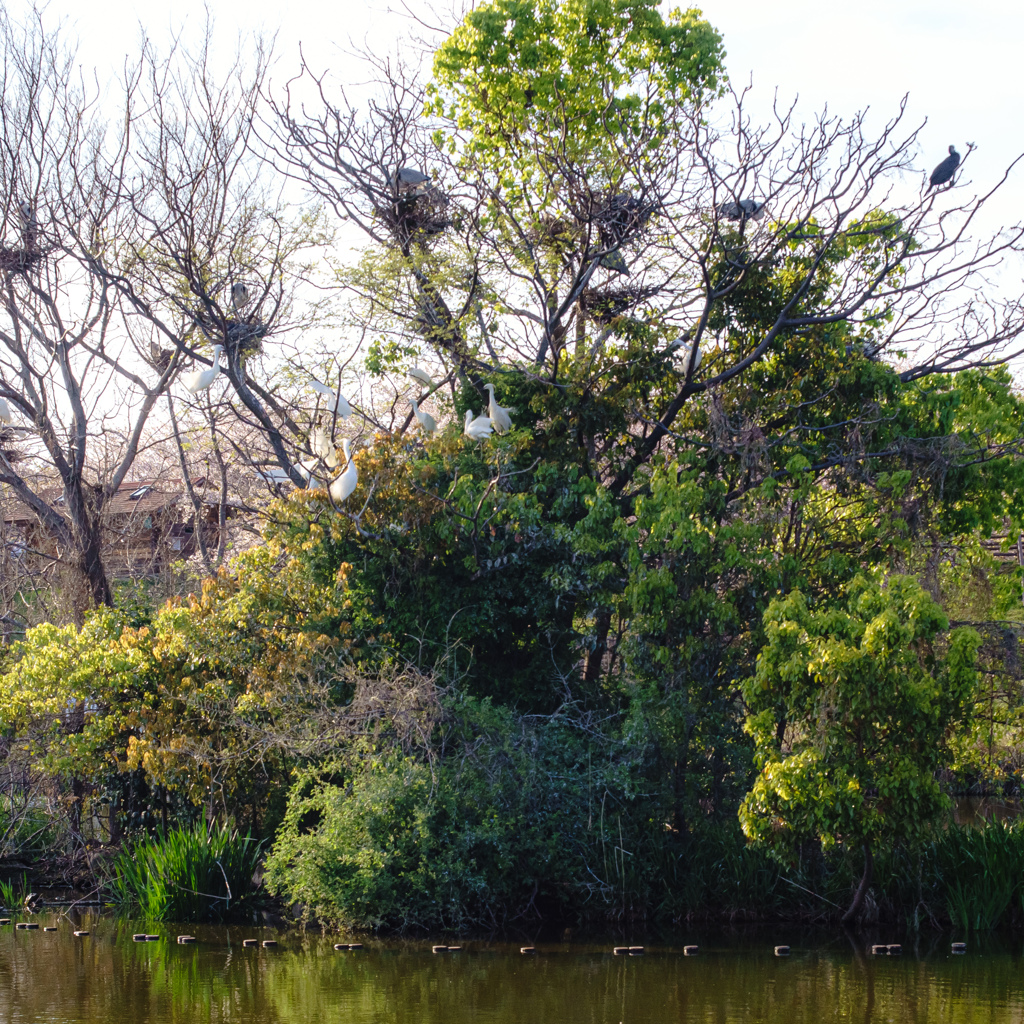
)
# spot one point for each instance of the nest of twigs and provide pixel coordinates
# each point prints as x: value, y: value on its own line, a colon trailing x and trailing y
x: 621, y: 217
x: 7, y: 449
x: 418, y: 213
x: 603, y: 305
x: 19, y: 260
x: 552, y: 232
x: 240, y: 337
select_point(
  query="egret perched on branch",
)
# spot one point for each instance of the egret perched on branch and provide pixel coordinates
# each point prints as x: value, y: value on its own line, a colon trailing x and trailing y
x: 342, y: 487
x: 693, y: 351
x: 421, y: 377
x: 944, y: 172
x: 5, y: 411
x: 320, y: 444
x: 427, y: 422
x: 477, y: 427
x: 305, y: 469
x: 500, y: 419
x: 200, y: 380
x: 336, y: 401
x: 239, y: 295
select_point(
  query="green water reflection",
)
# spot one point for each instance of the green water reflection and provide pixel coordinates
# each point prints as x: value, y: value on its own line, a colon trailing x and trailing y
x: 55, y: 977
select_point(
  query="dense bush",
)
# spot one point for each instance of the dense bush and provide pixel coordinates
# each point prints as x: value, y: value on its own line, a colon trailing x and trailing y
x: 502, y: 818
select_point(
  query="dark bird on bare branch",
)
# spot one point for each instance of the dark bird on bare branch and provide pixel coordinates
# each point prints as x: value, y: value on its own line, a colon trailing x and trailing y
x: 160, y: 357
x: 614, y: 261
x: 745, y: 209
x: 944, y: 172
x: 407, y: 179
x: 29, y: 224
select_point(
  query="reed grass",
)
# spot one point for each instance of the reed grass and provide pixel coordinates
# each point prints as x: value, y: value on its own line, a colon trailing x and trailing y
x: 12, y: 897
x: 186, y: 874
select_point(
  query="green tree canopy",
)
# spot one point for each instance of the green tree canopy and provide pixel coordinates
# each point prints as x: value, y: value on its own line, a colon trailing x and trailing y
x: 851, y: 709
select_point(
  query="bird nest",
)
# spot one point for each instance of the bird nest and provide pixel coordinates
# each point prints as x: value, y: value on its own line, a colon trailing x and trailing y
x: 557, y: 233
x: 418, y: 214
x: 240, y: 337
x: 19, y: 260
x: 7, y: 449
x: 603, y: 305
x: 620, y: 217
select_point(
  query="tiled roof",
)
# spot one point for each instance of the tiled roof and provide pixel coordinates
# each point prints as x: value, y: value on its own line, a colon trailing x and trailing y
x: 135, y: 496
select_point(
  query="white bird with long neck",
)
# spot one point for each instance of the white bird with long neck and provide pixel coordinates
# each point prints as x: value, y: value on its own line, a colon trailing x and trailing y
x: 320, y: 445
x: 337, y: 403
x: 305, y: 469
x: 426, y: 421
x: 5, y: 411
x: 200, y: 380
x: 693, y: 352
x: 421, y: 377
x: 500, y: 418
x: 343, y: 486
x: 477, y: 427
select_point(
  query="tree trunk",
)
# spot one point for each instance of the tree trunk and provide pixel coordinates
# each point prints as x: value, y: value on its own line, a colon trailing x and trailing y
x: 595, y: 659
x: 91, y: 566
x: 853, y: 913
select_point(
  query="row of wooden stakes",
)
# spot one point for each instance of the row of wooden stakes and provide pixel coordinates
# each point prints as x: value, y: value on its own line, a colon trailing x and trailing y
x: 879, y: 949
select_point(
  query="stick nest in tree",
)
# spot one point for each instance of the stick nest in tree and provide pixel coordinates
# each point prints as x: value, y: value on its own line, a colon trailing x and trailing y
x: 603, y: 305
x: 240, y: 337
x: 7, y: 448
x: 19, y: 260
x: 418, y: 214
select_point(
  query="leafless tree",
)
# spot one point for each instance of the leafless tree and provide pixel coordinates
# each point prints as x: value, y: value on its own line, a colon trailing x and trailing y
x: 67, y: 367
x: 129, y: 247
x: 217, y: 255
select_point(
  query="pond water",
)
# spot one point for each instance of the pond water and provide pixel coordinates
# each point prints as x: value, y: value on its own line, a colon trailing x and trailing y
x: 55, y: 977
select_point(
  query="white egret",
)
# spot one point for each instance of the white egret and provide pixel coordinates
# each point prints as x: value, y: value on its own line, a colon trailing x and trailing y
x: 427, y: 422
x: 421, y: 377
x: 681, y: 342
x: 477, y: 427
x: 305, y: 469
x: 320, y: 444
x: 5, y: 411
x: 500, y: 419
x: 200, y: 380
x: 696, y: 355
x: 343, y: 486
x: 336, y: 401
x: 239, y: 295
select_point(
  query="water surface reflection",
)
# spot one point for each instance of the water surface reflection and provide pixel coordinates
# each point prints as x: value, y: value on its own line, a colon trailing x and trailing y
x: 55, y: 977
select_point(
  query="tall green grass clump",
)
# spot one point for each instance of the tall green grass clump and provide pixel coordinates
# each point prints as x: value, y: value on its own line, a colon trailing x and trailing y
x: 186, y: 874
x: 982, y: 871
x: 12, y: 896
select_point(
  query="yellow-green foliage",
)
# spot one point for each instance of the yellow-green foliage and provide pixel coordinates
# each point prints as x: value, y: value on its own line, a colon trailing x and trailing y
x: 850, y: 711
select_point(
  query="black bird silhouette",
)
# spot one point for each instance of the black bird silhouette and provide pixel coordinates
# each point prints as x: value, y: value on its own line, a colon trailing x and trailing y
x: 945, y: 170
